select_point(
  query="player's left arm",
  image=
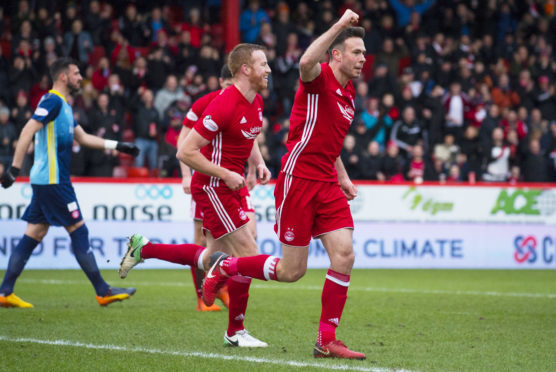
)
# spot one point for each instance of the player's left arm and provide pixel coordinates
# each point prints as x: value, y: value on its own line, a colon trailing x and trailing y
x: 94, y: 142
x: 343, y: 179
x: 256, y: 163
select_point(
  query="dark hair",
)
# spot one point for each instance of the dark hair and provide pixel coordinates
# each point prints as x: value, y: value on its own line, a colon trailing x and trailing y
x: 346, y: 34
x: 225, y: 72
x: 60, y: 65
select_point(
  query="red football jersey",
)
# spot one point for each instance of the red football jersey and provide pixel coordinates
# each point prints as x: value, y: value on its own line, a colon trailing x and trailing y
x: 231, y: 124
x: 198, y: 108
x: 321, y: 116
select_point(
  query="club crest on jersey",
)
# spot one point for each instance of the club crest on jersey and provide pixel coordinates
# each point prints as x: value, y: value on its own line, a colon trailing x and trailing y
x: 289, y: 235
x: 210, y: 124
x: 347, y: 112
x: 242, y: 215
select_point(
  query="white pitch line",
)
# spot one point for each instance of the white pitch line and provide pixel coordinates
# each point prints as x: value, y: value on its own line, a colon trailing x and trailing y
x: 285, y: 286
x: 195, y: 354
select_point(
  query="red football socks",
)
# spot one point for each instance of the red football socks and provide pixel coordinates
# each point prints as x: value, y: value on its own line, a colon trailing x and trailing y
x: 197, y: 281
x: 183, y: 254
x: 261, y: 267
x: 334, y: 295
x: 238, y: 289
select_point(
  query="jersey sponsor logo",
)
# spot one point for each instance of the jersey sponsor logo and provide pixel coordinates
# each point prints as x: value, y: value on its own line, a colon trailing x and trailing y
x: 252, y: 134
x: 347, y: 112
x: 243, y: 120
x: 210, y: 124
x: 40, y: 111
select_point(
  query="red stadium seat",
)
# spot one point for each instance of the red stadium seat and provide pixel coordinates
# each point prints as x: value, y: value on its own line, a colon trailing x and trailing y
x: 6, y: 49
x: 368, y: 67
x: 138, y: 172
x: 404, y: 62
x: 96, y: 54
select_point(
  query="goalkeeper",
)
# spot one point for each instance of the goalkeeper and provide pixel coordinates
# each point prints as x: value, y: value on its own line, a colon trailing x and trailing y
x: 54, y: 201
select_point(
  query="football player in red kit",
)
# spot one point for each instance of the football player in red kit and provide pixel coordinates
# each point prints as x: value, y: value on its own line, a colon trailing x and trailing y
x: 221, y: 142
x: 313, y: 188
x: 189, y: 121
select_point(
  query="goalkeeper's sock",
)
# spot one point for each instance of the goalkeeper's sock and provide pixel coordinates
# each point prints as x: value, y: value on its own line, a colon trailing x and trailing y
x: 86, y: 259
x: 238, y: 289
x: 183, y: 254
x: 19, y: 257
x: 334, y: 295
x: 261, y: 267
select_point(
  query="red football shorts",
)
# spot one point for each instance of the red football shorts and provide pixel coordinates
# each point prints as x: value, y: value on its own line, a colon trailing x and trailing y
x: 308, y: 208
x: 220, y: 208
x: 246, y: 204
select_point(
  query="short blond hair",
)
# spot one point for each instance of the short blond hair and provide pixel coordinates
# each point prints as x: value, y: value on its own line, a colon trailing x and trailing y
x: 241, y: 55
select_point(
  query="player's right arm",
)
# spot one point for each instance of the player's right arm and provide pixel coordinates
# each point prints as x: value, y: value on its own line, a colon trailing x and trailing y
x: 185, y: 170
x: 189, y: 153
x: 309, y: 64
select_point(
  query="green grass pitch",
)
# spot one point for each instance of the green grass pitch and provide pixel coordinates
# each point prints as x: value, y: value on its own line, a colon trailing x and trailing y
x: 416, y: 320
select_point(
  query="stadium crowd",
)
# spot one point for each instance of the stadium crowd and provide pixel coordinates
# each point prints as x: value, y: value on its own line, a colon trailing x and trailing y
x: 452, y: 90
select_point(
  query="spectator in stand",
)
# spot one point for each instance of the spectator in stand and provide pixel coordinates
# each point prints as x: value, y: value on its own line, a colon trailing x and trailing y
x: 287, y: 72
x: 447, y: 151
x: 282, y: 27
x: 156, y: 23
x: 391, y: 54
x: 100, y: 76
x: 171, y: 126
x: 382, y: 82
x: 545, y: 99
x: 22, y: 112
x: 436, y: 171
x: 117, y: 96
x: 415, y: 169
x: 535, y: 165
x: 103, y: 123
x: 491, y: 122
x: 471, y: 148
x: 250, y: 21
x: 133, y: 28
x: 378, y: 122
x: 456, y: 104
x: 22, y: 75
x: 78, y: 43
x: 405, y: 9
x: 512, y: 122
x: 498, y: 158
x: 147, y: 130
x: 94, y: 23
x: 350, y: 157
x: 503, y: 95
x: 407, y: 132
x: 548, y: 142
x: 369, y: 163
x: 138, y: 74
x: 38, y: 90
x: 159, y: 66
x: 48, y: 54
x: 194, y: 26
x: 8, y: 136
x: 45, y: 24
x: 391, y: 163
